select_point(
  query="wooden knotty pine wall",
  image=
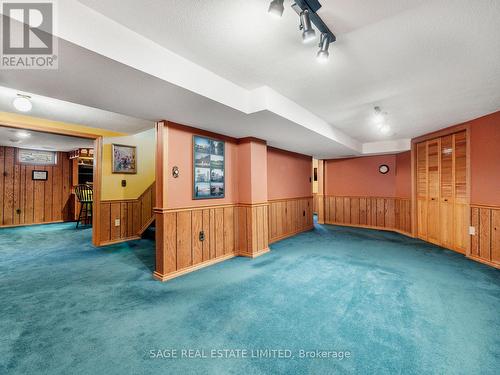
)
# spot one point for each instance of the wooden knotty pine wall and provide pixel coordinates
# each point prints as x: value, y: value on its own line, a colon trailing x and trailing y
x: 24, y: 201
x: 229, y: 230
x: 485, y: 244
x: 135, y: 215
x: 369, y: 212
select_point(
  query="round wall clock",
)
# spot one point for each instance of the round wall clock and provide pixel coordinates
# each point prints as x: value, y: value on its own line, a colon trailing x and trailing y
x: 384, y: 169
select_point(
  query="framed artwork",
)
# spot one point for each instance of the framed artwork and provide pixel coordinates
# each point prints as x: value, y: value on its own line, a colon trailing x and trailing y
x: 36, y: 157
x: 124, y: 159
x: 39, y: 175
x: 208, y: 168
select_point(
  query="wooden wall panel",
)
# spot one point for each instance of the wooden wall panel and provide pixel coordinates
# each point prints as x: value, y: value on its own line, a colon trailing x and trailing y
x: 370, y: 212
x: 134, y: 217
x: 286, y: 218
x: 485, y: 233
x: 485, y: 244
x: 24, y: 201
x: 184, y: 236
x: 186, y: 250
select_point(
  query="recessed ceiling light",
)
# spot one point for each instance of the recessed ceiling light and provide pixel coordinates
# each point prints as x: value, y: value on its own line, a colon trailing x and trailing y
x: 276, y: 8
x: 22, y: 103
x: 23, y: 134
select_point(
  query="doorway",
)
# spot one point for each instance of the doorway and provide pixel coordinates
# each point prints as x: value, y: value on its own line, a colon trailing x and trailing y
x: 41, y: 171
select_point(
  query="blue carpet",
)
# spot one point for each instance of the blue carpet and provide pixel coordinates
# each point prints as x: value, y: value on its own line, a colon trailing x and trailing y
x: 394, y: 305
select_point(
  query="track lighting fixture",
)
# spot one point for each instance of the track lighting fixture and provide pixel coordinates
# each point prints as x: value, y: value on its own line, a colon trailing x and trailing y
x: 324, y: 44
x: 276, y: 8
x: 307, y: 12
x: 308, y: 33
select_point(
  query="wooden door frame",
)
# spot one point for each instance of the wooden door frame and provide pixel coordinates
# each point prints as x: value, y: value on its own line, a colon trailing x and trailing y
x: 98, y: 144
x: 437, y: 134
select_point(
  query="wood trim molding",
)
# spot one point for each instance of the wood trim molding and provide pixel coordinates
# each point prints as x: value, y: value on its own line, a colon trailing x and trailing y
x: 172, y: 275
x: 490, y: 206
x: 290, y: 199
x: 52, y: 130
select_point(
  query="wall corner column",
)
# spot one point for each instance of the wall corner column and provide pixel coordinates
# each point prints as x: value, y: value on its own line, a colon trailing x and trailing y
x: 164, y: 259
x: 253, y: 209
x: 321, y: 191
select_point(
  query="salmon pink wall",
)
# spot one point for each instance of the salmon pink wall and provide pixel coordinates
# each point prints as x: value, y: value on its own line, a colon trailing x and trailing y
x: 360, y: 176
x: 403, y: 175
x: 252, y: 169
x: 180, y: 154
x: 485, y: 160
x: 288, y: 174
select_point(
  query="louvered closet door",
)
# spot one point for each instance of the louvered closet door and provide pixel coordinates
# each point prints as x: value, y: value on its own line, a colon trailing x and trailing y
x: 422, y: 190
x: 461, y: 209
x: 433, y: 217
x: 446, y: 205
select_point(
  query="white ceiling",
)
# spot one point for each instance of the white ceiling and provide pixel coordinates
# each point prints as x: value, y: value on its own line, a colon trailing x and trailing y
x: 226, y: 66
x: 41, y: 141
x: 429, y: 64
x: 49, y: 107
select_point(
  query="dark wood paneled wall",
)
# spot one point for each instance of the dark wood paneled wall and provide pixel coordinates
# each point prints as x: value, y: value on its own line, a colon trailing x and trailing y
x: 24, y: 201
x: 485, y: 244
x: 369, y: 212
x: 135, y: 216
x: 288, y: 217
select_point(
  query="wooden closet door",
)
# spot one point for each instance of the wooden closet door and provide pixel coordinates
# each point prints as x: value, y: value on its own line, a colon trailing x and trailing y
x: 422, y: 187
x: 461, y: 207
x: 446, y: 204
x: 433, y: 217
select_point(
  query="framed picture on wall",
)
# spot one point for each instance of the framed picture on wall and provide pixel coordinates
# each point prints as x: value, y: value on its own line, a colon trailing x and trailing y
x: 124, y: 159
x: 36, y: 157
x: 39, y: 175
x: 208, y: 168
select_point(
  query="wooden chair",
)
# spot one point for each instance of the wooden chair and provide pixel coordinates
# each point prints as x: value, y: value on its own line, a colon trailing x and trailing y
x: 84, y: 194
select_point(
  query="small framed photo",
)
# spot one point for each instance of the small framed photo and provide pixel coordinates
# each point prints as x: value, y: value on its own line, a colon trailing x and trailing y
x: 124, y: 159
x: 39, y: 175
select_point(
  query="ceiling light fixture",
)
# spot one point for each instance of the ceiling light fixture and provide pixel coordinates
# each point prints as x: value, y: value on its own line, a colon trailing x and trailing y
x: 22, y: 103
x: 380, y: 120
x: 22, y: 134
x: 384, y: 128
x: 324, y: 44
x: 307, y: 11
x: 378, y: 117
x: 308, y: 33
x: 276, y: 8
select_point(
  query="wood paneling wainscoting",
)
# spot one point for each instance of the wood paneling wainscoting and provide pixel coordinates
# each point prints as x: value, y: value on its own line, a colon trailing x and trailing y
x: 369, y: 212
x: 134, y: 215
x: 485, y: 244
x: 197, y: 237
x: 194, y: 238
x: 288, y: 217
x: 24, y: 201
x: 253, y: 229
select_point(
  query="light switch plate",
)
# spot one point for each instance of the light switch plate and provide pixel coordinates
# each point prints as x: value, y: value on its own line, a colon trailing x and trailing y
x: 117, y: 222
x: 472, y: 231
